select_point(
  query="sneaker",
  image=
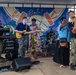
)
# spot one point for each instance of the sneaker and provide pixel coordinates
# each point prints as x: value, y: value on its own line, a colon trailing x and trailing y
x: 72, y: 67
x: 62, y: 66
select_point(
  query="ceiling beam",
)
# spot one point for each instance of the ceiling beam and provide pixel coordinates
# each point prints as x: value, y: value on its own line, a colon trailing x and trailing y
x: 33, y: 3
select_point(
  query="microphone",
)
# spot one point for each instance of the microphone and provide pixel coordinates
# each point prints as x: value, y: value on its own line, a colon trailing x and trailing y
x: 73, y: 17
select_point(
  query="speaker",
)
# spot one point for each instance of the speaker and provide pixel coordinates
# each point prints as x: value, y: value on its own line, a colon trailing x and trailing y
x: 10, y: 55
x: 21, y: 63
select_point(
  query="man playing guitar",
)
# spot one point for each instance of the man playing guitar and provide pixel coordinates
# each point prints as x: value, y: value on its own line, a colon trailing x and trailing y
x: 21, y: 29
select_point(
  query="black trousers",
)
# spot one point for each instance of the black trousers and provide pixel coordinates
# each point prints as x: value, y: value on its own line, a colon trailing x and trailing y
x: 56, y: 53
x: 61, y: 55
x: 64, y: 55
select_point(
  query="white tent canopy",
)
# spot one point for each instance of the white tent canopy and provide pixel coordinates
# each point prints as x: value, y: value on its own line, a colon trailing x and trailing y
x: 41, y: 1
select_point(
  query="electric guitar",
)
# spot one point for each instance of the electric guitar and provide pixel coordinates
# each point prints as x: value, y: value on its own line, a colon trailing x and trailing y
x: 20, y: 35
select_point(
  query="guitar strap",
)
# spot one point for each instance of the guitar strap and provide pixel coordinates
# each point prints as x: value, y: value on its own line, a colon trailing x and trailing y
x: 26, y: 27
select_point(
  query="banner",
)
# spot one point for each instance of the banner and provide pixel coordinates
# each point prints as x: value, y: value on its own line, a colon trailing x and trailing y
x: 46, y: 17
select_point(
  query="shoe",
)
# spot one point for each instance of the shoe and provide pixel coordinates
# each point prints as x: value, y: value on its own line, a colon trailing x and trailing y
x: 72, y: 67
x: 61, y: 66
x: 35, y: 62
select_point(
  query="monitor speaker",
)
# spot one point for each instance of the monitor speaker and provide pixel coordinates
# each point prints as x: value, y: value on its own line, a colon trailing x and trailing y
x: 21, y: 63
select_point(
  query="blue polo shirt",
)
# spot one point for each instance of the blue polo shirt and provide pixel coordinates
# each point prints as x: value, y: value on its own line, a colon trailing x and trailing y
x: 22, y: 27
x: 63, y: 33
x: 70, y: 26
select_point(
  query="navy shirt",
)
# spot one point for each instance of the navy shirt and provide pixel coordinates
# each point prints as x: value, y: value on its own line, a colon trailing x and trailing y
x: 22, y: 27
x: 70, y: 26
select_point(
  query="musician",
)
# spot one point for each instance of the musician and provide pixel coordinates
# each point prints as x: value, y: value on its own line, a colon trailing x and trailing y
x: 20, y: 28
x: 50, y: 35
x: 72, y: 28
x: 1, y: 42
x: 63, y: 32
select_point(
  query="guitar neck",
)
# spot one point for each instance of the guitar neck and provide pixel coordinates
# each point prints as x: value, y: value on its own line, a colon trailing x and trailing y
x: 32, y: 32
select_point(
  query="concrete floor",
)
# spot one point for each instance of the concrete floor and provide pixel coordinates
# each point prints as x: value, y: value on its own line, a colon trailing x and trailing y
x: 46, y: 67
